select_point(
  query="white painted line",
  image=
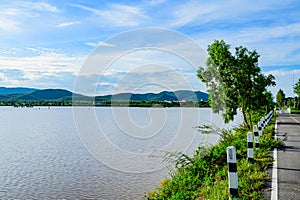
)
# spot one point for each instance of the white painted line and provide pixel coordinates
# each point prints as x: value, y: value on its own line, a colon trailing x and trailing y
x: 274, y: 193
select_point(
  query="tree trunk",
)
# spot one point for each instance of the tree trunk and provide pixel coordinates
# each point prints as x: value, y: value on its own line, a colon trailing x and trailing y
x: 250, y: 119
x: 245, y: 117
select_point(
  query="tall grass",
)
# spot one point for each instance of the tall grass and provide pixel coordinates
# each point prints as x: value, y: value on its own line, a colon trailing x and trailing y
x: 204, y: 175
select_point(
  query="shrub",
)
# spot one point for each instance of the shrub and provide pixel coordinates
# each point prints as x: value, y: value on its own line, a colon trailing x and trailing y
x: 204, y: 176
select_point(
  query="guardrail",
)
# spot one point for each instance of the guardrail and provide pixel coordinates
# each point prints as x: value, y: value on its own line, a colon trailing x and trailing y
x: 231, y: 153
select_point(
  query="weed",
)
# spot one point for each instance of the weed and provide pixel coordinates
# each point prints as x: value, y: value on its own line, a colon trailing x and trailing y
x: 204, y: 176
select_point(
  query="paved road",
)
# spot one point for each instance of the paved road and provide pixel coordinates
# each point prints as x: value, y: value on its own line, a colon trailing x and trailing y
x: 289, y: 158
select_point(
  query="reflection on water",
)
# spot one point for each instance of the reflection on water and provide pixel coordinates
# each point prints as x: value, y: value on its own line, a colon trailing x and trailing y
x: 42, y: 156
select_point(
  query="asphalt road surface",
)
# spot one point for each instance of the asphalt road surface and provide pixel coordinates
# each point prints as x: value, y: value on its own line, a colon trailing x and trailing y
x: 288, y: 166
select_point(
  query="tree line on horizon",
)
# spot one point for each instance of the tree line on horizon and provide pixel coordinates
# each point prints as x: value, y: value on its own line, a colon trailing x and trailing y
x: 292, y: 102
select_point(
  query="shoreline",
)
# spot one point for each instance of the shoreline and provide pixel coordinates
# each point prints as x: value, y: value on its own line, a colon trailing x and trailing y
x: 206, y: 177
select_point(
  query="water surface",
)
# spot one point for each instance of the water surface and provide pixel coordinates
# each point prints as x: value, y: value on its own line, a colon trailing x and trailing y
x: 42, y: 155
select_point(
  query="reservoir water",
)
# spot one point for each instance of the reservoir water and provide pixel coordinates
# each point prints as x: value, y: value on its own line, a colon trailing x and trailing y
x: 94, y: 153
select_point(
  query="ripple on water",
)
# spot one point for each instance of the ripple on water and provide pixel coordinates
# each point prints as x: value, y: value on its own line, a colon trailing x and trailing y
x: 41, y: 157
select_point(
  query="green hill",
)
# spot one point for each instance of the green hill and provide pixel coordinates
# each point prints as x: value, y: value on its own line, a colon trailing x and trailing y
x: 17, y: 90
x: 47, y: 95
x: 60, y: 95
x: 162, y: 96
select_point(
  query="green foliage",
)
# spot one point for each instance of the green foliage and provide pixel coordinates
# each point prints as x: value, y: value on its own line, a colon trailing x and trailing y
x: 295, y: 111
x: 297, y: 92
x: 204, y: 176
x: 235, y: 81
x: 212, y: 77
x: 280, y: 98
x: 266, y: 140
x: 297, y: 88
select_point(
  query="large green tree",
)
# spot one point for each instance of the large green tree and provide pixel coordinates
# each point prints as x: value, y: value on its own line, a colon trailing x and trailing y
x: 235, y: 81
x: 280, y: 98
x: 297, y: 88
x: 297, y: 92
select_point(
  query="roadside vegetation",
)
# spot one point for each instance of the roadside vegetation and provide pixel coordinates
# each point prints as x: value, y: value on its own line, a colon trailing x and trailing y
x: 280, y: 98
x: 292, y: 103
x: 204, y: 175
x: 295, y: 111
x: 296, y: 101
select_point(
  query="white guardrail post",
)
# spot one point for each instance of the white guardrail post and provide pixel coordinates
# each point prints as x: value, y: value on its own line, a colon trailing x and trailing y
x: 259, y: 128
x: 232, y: 172
x: 250, y: 150
x: 255, y: 131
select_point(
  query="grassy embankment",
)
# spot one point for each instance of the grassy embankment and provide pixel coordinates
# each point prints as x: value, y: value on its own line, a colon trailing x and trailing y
x: 295, y: 111
x: 204, y: 176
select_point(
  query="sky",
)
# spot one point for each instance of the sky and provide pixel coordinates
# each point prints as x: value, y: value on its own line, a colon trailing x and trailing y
x: 103, y: 47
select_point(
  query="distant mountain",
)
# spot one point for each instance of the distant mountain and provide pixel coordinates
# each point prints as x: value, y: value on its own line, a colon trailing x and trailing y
x: 30, y: 94
x: 47, y: 95
x: 17, y: 90
x: 162, y: 96
x: 44, y: 95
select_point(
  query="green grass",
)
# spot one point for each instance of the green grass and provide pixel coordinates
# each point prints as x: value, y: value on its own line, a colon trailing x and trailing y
x: 294, y: 111
x: 204, y: 176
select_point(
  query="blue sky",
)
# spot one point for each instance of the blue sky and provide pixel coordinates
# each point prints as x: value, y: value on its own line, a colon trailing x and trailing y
x: 45, y: 44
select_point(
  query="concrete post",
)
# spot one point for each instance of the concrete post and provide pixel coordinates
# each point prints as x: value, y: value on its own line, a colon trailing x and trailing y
x: 250, y: 150
x: 255, y: 131
x: 232, y: 172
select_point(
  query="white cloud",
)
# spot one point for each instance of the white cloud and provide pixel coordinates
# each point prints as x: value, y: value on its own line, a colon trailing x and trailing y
x: 8, y: 22
x: 52, y: 62
x: 190, y: 11
x: 12, y: 19
x: 105, y: 44
x: 40, y: 6
x: 283, y: 72
x: 45, y: 51
x: 284, y: 80
x: 118, y: 15
x: 156, y: 2
x: 62, y: 25
x: 10, y: 12
x: 11, y: 51
x: 200, y: 12
x: 153, y: 79
x: 144, y: 65
x: 45, y: 69
x: 2, y: 77
x: 257, y: 34
x: 99, y: 43
x: 238, y: 23
x: 31, y: 49
x: 143, y: 71
x: 9, y: 25
x: 9, y: 82
x: 275, y: 44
